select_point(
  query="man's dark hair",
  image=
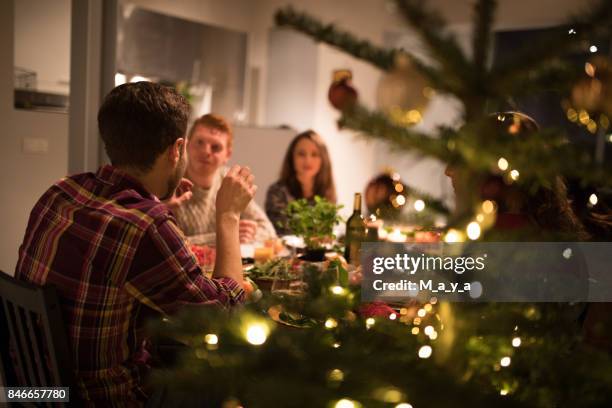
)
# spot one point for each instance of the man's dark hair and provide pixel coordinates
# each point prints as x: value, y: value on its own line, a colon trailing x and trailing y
x: 138, y: 121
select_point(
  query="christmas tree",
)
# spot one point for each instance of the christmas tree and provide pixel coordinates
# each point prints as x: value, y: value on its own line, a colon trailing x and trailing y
x: 344, y: 354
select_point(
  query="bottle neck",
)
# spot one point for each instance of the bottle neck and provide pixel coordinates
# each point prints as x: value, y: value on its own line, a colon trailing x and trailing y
x: 357, y: 204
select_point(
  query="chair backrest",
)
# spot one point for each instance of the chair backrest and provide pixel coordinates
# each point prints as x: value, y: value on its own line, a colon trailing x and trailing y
x: 36, y: 340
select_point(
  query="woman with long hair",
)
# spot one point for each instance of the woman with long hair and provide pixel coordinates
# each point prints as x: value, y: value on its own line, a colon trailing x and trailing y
x: 306, y: 172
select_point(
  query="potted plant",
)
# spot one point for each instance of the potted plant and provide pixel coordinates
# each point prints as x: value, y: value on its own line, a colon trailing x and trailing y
x: 314, y: 222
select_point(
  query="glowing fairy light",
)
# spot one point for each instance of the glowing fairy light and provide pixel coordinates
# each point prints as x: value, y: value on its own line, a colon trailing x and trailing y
x: 211, y: 339
x: 336, y: 345
x: 419, y: 205
x: 338, y: 290
x: 505, y: 362
x: 425, y: 352
x: 336, y: 375
x: 503, y: 392
x: 516, y: 342
x: 399, y: 187
x: 400, y: 200
x: 415, y: 330
x: 473, y: 230
x: 370, y: 322
x: 514, y: 175
x: 428, y: 330
x: 572, y: 115
x: 428, y: 307
x: 571, y: 31
x: 392, y: 316
x: 403, y: 405
x: 488, y: 206
x: 593, y: 48
x: 257, y: 334
x: 502, y: 164
x: 331, y: 323
x: 433, y: 335
x: 593, y: 200
x: 583, y: 117
x: 345, y: 403
x: 453, y: 236
x: 421, y: 312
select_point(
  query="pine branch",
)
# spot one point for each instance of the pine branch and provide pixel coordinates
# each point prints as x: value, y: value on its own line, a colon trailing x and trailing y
x: 443, y: 48
x: 376, y: 125
x: 329, y: 34
x: 430, y: 202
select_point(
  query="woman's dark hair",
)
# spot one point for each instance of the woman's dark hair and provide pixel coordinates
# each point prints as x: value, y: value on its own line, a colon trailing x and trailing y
x: 547, y: 207
x: 324, y: 180
x: 138, y: 121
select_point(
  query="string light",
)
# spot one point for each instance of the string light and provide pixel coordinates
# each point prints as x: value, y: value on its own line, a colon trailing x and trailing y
x: 403, y: 405
x: 473, y: 230
x: 572, y: 115
x: 338, y: 290
x: 571, y: 31
x: 392, y: 316
x: 415, y: 330
x: 335, y: 375
x: 593, y: 199
x: 257, y: 333
x: 421, y: 312
x: 516, y: 342
x: 453, y: 236
x: 211, y: 339
x: 503, y: 392
x: 331, y: 323
x: 514, y: 174
x: 428, y: 307
x: 502, y: 164
x: 593, y: 48
x: 370, y: 322
x: 583, y: 117
x: 428, y: 330
x: 433, y: 335
x: 592, y: 126
x: 419, y: 205
x: 345, y: 403
x: 505, y: 362
x: 336, y: 345
x: 425, y: 352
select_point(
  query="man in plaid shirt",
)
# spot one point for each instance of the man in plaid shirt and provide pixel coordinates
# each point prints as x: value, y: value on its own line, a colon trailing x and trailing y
x: 113, y: 250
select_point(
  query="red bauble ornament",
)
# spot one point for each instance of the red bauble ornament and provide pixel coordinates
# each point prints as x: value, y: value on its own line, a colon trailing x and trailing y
x: 342, y: 95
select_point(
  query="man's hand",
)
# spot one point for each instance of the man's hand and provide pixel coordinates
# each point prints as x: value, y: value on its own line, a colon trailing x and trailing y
x: 247, y: 230
x: 181, y: 194
x: 236, y: 191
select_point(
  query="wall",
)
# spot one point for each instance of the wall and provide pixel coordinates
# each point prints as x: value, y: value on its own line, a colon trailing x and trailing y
x: 24, y: 176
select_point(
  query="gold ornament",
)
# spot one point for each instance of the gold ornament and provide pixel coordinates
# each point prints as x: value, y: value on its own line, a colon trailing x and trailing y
x: 403, y: 93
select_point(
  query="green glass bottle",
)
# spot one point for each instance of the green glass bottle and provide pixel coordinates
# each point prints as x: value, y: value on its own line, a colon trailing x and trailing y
x: 355, y: 233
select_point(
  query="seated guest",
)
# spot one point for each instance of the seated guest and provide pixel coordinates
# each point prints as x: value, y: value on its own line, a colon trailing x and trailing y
x: 381, y: 196
x: 306, y: 172
x: 113, y: 250
x: 209, y: 147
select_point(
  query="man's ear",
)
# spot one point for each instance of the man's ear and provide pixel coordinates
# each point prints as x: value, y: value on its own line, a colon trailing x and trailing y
x: 176, y: 150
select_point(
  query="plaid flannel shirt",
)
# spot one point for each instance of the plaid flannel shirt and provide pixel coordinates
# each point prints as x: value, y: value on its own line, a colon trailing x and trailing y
x: 115, y: 255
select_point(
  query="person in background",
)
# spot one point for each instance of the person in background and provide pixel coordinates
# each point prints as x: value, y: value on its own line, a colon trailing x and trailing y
x: 209, y: 147
x: 381, y: 196
x: 113, y: 250
x: 306, y: 172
